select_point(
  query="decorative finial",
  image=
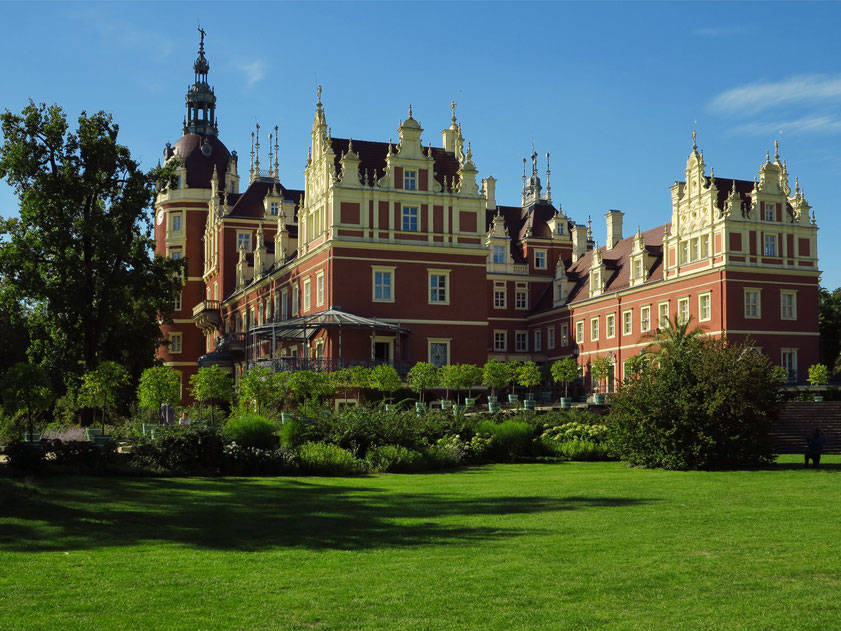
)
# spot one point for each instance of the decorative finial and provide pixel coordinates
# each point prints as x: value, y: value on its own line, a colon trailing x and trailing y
x: 776, y: 150
x: 712, y: 176
x: 469, y: 155
x: 350, y: 145
x: 589, y: 227
x: 318, y: 92
x: 276, y: 154
x: 524, y: 177
x: 453, y: 108
x: 797, y: 185
x: 410, y: 110
x: 548, y: 185
x: 694, y: 140
x: 201, y: 43
x: 257, y: 149
x: 271, y: 155
x: 533, y: 158
x: 767, y: 156
x: 252, y: 152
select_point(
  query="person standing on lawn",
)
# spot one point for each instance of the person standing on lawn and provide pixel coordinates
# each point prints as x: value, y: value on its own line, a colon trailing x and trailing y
x: 814, y: 447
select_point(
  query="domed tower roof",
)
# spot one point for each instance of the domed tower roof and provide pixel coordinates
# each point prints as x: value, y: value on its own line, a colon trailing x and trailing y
x: 199, y: 148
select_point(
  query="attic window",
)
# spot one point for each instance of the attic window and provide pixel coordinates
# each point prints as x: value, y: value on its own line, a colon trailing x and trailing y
x: 274, y: 208
x: 410, y: 180
x: 559, y: 228
x: 499, y: 254
x: 770, y: 211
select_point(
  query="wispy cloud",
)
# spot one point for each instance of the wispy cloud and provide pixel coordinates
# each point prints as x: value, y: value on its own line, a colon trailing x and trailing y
x: 720, y: 31
x: 252, y: 70
x: 121, y: 33
x: 756, y: 97
x: 806, y: 125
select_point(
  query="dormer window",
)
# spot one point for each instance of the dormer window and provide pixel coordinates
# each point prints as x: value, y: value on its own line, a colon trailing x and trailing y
x: 770, y: 245
x: 770, y: 212
x: 559, y: 227
x: 638, y: 269
x: 499, y: 254
x: 274, y: 208
x: 540, y: 259
x: 244, y: 241
x: 595, y: 282
x: 410, y: 180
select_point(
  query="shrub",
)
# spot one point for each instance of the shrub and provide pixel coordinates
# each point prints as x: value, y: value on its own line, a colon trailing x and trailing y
x: 80, y: 455
x: 240, y: 460
x: 63, y: 432
x: 326, y: 459
x: 580, y: 450
x: 575, y: 431
x: 25, y: 458
x: 394, y: 459
x: 181, y: 450
x: 508, y: 440
x: 251, y: 430
x: 446, y: 453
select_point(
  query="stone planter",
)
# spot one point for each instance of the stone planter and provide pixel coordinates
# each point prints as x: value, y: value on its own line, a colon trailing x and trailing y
x: 492, y: 398
x: 446, y: 404
x: 566, y: 403
x: 458, y: 409
x: 599, y: 399
x: 817, y: 397
x: 286, y: 416
x: 493, y: 408
x: 420, y: 407
x: 529, y: 404
x: 470, y: 402
x: 513, y: 398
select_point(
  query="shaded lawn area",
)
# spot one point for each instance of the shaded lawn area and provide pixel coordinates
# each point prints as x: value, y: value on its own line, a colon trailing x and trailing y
x: 575, y: 545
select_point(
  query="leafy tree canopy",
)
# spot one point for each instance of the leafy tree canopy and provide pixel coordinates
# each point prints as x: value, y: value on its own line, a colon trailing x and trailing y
x: 101, y: 386
x: 829, y: 322
x: 159, y: 385
x: 80, y: 255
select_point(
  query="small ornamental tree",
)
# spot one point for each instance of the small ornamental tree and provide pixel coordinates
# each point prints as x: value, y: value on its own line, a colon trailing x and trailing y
x: 565, y: 370
x: 385, y: 379
x: 211, y: 384
x: 310, y: 388
x: 495, y: 375
x: 360, y: 377
x: 818, y: 375
x: 101, y: 386
x: 513, y: 375
x: 471, y: 376
x: 600, y: 369
x: 159, y: 385
x: 422, y: 376
x: 26, y: 390
x: 529, y: 375
x: 261, y: 387
x: 449, y: 377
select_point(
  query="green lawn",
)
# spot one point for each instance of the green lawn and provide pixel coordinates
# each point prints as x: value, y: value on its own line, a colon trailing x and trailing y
x: 576, y: 545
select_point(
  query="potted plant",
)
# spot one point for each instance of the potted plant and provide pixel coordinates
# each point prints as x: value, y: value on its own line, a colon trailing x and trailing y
x: 449, y: 377
x: 495, y: 376
x: 528, y: 376
x: 513, y: 376
x: 471, y: 375
x: 599, y: 370
x: 385, y: 379
x: 565, y: 370
x: 423, y: 375
x: 818, y: 376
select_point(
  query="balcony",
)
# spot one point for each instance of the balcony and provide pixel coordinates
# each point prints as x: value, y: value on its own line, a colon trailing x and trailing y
x: 508, y: 268
x: 231, y: 343
x: 206, y: 315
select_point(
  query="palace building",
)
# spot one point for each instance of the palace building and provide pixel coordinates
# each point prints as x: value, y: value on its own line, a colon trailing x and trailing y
x: 395, y: 253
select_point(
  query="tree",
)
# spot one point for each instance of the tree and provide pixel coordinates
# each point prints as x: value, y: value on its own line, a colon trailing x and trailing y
x: 101, y: 386
x: 80, y: 253
x: 26, y: 390
x: 449, y: 378
x: 471, y: 376
x: 385, y: 379
x: 705, y: 404
x: 673, y: 337
x: 159, y: 385
x: 210, y: 384
x: 528, y: 375
x: 256, y: 387
x: 360, y: 378
x: 565, y: 370
x: 495, y: 375
x: 829, y: 323
x: 422, y: 376
x: 600, y: 369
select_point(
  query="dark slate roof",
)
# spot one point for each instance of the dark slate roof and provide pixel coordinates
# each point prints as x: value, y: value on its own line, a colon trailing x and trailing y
x: 517, y: 222
x: 249, y: 204
x: 199, y: 166
x: 372, y: 157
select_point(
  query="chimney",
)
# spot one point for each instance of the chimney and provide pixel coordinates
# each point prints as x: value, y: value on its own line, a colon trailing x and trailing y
x: 489, y: 191
x: 614, y: 227
x: 579, y: 242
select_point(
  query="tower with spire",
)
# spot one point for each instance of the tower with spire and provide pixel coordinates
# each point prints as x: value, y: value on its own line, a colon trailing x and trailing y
x: 201, y: 99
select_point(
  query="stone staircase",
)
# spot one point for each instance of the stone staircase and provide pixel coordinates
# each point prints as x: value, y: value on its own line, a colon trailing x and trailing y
x: 798, y: 419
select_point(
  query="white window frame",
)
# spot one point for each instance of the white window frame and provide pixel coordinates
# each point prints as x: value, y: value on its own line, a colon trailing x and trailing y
x: 176, y: 254
x: 176, y: 343
x: 284, y: 304
x: 787, y: 293
x: 384, y: 271
x: 770, y: 211
x: 662, y: 315
x: 178, y: 301
x: 594, y: 329
x: 176, y: 218
x: 410, y: 219
x: 610, y: 325
x: 521, y: 299
x: 540, y: 259
x: 500, y: 341
x: 538, y: 340
x: 564, y: 335
x: 296, y: 299
x: 792, y: 353
x: 628, y: 322
x: 753, y: 311
x: 410, y: 180
x: 274, y: 208
x: 683, y: 311
x: 434, y: 299
x: 500, y: 251
x: 307, y: 294
x: 437, y: 340
x: 319, y: 289
x: 702, y: 298
x: 521, y: 341
x: 550, y: 337
x: 645, y: 319
x: 579, y: 332
x: 244, y: 236
x: 503, y: 293
x: 769, y: 247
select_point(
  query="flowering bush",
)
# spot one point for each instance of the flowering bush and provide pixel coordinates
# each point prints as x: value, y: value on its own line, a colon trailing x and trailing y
x: 326, y: 459
x: 394, y: 459
x: 446, y: 453
x: 239, y: 460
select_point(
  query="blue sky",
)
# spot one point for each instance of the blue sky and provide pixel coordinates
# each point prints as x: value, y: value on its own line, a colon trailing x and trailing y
x: 611, y: 90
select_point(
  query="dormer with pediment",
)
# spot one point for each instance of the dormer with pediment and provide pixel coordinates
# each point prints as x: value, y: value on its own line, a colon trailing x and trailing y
x: 641, y: 260
x: 562, y: 285
x: 597, y: 273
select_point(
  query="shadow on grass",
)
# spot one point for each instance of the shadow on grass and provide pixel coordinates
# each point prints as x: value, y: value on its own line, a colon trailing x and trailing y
x: 833, y: 467
x: 252, y: 515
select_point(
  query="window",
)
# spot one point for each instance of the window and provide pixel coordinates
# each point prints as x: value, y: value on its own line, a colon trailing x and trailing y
x: 274, y: 208
x: 499, y: 299
x: 752, y: 305
x: 770, y: 211
x: 627, y: 322
x: 638, y: 269
x: 610, y: 324
x: 564, y: 335
x: 540, y: 260
x: 499, y: 254
x: 695, y: 249
x: 538, y: 340
x: 244, y: 241
x: 319, y: 289
x: 550, y: 337
x: 500, y: 341
x: 307, y: 294
x: 770, y: 245
x: 439, y: 287
x: 579, y: 331
x: 559, y: 227
x: 295, y: 299
x: 176, y: 255
x: 174, y: 343
x: 704, y: 307
x: 684, y: 252
x: 788, y: 360
x: 260, y: 314
x: 521, y: 341
x: 788, y: 305
x: 410, y: 219
x: 705, y: 245
x: 439, y: 352
x: 645, y: 319
x: 176, y: 222
x: 521, y: 299
x: 663, y: 315
x: 683, y: 310
x: 594, y: 329
x: 177, y: 302
x: 410, y: 180
x: 383, y: 284
x: 284, y: 307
